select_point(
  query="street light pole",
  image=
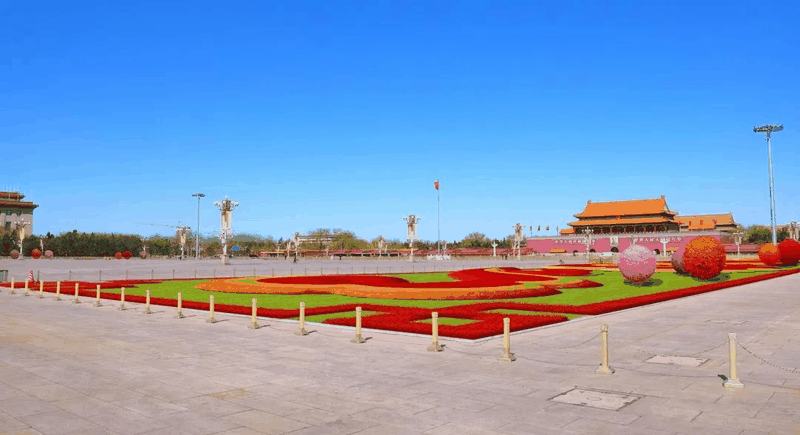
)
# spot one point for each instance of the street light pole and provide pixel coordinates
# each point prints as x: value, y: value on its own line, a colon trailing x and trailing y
x: 768, y: 129
x: 197, y: 236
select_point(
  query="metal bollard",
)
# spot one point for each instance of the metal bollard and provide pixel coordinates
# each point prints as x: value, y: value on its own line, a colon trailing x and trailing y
x: 147, y: 303
x: 254, y: 324
x: 604, y: 369
x: 122, y: 300
x: 76, y: 300
x: 100, y: 275
x: 97, y: 297
x: 58, y: 290
x: 152, y: 274
x: 305, y: 271
x: 211, y: 318
x: 435, y: 346
x: 357, y: 338
x: 26, y: 287
x: 302, y: 328
x: 173, y: 273
x: 179, y: 312
x: 733, y: 380
x: 507, y: 355
x: 12, y: 287
x: 41, y: 289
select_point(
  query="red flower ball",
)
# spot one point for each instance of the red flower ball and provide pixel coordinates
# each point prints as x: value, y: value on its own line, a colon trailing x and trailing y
x: 789, y: 251
x: 36, y: 254
x: 143, y: 254
x: 126, y: 255
x: 15, y: 254
x: 769, y: 254
x: 118, y: 255
x: 48, y: 254
x: 704, y: 257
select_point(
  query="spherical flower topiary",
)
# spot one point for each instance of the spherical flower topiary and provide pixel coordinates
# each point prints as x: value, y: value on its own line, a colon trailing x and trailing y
x: 118, y: 255
x: 637, y: 264
x: 704, y: 257
x: 677, y: 259
x: 126, y: 255
x: 48, y: 254
x: 36, y: 254
x: 789, y: 251
x: 769, y: 254
x: 143, y: 254
x: 15, y: 254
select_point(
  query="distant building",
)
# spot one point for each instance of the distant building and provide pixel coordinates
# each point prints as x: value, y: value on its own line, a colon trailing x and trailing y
x: 15, y: 211
x: 621, y: 217
x: 708, y: 222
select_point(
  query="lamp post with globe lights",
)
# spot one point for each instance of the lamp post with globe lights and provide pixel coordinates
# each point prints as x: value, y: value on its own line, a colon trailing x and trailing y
x: 768, y: 130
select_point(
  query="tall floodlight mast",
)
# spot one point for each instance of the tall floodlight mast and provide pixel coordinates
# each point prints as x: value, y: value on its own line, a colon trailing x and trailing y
x: 769, y: 129
x: 197, y: 237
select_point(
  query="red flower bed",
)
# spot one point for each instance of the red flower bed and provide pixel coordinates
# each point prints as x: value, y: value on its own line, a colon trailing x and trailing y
x: 465, y: 279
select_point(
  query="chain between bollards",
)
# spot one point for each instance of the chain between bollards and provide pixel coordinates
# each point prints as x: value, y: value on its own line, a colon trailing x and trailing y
x: 604, y: 369
x: 435, y: 346
x: 733, y: 380
x: 301, y: 330
x: 357, y: 338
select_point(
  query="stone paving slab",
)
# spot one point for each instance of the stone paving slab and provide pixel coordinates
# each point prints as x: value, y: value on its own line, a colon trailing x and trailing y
x: 77, y: 369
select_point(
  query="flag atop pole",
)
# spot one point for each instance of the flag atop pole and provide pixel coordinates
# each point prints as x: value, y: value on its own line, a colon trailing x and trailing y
x: 436, y: 184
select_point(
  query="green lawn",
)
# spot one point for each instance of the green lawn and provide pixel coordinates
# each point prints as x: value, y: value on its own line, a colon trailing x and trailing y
x: 535, y: 313
x: 323, y: 317
x: 614, y: 287
x: 425, y: 277
x: 453, y: 321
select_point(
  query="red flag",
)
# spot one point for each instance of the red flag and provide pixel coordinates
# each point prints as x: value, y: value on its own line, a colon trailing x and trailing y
x: 436, y: 184
x: 701, y: 222
x: 715, y: 221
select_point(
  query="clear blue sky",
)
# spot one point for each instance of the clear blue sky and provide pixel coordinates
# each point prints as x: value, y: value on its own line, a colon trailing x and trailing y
x: 342, y: 114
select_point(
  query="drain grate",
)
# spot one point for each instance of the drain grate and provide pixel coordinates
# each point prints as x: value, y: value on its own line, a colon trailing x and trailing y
x: 609, y: 400
x: 677, y: 360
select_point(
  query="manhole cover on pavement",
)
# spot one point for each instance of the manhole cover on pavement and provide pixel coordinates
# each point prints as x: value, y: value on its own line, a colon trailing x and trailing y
x: 677, y: 360
x: 597, y: 399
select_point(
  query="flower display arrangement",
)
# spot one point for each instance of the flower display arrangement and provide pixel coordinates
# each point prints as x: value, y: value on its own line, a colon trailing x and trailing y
x: 789, y: 251
x: 637, y: 264
x: 769, y: 254
x: 677, y: 259
x: 704, y: 257
x: 36, y: 254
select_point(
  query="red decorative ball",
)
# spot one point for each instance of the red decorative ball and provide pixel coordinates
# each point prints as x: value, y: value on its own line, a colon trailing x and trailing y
x: 118, y: 255
x: 36, y: 254
x: 15, y: 254
x: 789, y: 251
x: 48, y: 254
x: 704, y: 257
x: 143, y: 254
x: 126, y: 255
x: 769, y: 254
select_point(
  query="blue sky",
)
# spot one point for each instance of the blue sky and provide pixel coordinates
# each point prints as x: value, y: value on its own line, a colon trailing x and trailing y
x: 342, y: 114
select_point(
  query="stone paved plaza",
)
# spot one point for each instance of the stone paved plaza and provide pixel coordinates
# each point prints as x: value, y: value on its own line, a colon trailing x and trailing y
x: 79, y: 369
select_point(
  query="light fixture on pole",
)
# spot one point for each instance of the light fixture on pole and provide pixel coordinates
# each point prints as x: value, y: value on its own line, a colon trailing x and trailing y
x: 197, y: 236
x: 769, y: 129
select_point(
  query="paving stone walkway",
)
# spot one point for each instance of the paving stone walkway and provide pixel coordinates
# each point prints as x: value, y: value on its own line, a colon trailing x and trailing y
x: 78, y: 369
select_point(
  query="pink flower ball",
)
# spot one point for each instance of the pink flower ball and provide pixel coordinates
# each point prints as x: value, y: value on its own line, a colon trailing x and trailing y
x: 637, y: 264
x: 677, y: 260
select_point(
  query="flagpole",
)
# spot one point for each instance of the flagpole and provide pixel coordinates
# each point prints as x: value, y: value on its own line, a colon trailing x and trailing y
x: 438, y: 227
